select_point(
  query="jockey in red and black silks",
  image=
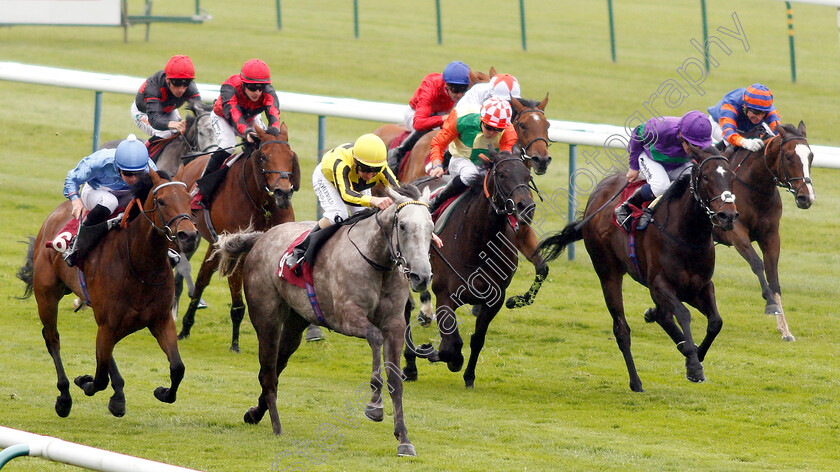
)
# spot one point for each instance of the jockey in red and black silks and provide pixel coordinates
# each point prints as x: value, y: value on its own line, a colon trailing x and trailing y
x: 240, y: 111
x: 155, y: 107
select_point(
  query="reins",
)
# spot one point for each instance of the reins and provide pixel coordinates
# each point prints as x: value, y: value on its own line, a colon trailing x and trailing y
x: 264, y: 208
x: 782, y: 182
x: 394, y: 250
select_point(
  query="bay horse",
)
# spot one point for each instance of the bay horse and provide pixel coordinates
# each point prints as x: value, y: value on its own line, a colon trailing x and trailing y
x: 476, y: 263
x: 361, y: 279
x: 531, y: 127
x: 257, y: 192
x: 129, y: 280
x: 784, y: 162
x: 674, y: 257
x: 180, y: 148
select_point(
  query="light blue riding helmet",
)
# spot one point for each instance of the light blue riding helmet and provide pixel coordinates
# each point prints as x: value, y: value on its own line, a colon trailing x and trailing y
x: 131, y: 155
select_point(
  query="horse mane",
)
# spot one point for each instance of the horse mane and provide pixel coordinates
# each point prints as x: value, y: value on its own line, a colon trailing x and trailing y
x: 141, y: 190
x: 789, y: 128
x: 678, y: 187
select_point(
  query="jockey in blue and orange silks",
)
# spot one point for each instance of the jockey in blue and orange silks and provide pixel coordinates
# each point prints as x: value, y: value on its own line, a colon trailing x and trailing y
x: 740, y: 111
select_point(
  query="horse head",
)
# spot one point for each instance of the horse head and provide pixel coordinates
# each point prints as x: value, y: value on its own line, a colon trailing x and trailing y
x: 167, y: 207
x: 531, y: 127
x: 409, y: 233
x: 788, y: 158
x: 200, y: 135
x: 278, y: 165
x: 506, y: 186
x: 711, y: 185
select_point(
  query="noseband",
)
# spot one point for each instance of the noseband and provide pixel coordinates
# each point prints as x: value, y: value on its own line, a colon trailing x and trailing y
x: 705, y: 204
x: 507, y: 206
x: 782, y: 182
x: 170, y: 228
x: 281, y: 174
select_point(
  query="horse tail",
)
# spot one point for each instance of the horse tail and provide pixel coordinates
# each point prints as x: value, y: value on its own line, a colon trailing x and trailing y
x: 551, y: 247
x: 232, y: 248
x: 26, y: 273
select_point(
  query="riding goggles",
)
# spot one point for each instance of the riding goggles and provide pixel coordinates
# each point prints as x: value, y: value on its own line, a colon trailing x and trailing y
x: 255, y: 87
x: 180, y: 82
x: 360, y: 168
x: 458, y: 88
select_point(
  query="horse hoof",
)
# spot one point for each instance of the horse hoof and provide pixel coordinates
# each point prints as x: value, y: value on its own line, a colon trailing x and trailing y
x: 696, y: 377
x: 650, y: 315
x: 424, y: 319
x: 63, y: 406
x: 165, y: 395
x: 250, y: 417
x: 455, y: 366
x: 183, y: 335
x: 469, y: 383
x: 83, y: 379
x: 234, y: 348
x: 410, y: 375
x: 773, y: 309
x: 406, y: 450
x: 117, y: 407
x: 314, y: 333
x: 788, y: 338
x: 374, y: 413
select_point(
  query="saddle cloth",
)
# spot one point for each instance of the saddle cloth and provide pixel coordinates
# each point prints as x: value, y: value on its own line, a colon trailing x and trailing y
x: 62, y: 239
x: 305, y: 269
x: 636, y: 212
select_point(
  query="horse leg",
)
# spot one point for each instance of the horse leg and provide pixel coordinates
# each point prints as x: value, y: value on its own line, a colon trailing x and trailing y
x: 705, y: 302
x: 665, y: 298
x: 48, y: 311
x: 770, y: 247
x: 451, y: 343
x: 164, y: 330
x: 208, y: 266
x: 611, y: 283
x: 116, y: 405
x: 105, y: 341
x: 485, y: 316
x: 740, y: 239
x: 393, y: 343
x: 237, y: 306
x: 526, y: 242
x: 410, y: 350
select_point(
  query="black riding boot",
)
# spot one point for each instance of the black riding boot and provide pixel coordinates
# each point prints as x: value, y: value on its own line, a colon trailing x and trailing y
x: 453, y: 188
x: 395, y: 155
x: 721, y: 145
x: 212, y: 176
x: 90, y: 232
x: 300, y: 250
x: 623, y: 211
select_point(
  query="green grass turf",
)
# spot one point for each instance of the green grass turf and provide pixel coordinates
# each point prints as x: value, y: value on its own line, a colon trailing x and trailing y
x: 551, y: 389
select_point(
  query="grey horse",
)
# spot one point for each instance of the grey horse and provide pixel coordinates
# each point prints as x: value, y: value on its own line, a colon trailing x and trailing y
x: 361, y: 278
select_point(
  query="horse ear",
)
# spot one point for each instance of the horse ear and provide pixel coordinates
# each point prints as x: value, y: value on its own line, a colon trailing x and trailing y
x: 426, y: 195
x: 517, y: 105
x: 284, y: 130
x: 395, y: 196
x: 780, y: 130
x: 543, y: 103
x: 295, y: 179
x: 492, y: 71
x: 801, y: 128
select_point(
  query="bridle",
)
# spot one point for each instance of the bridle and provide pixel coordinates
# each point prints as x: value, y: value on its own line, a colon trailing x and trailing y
x: 782, y: 182
x: 196, y: 150
x: 170, y: 228
x: 502, y: 204
x: 525, y: 147
x: 694, y: 187
x: 266, y: 188
x: 394, y: 248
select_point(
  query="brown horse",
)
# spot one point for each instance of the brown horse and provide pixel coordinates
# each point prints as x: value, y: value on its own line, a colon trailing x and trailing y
x: 784, y: 162
x: 477, y: 262
x: 674, y: 257
x: 257, y: 193
x: 532, y: 142
x: 361, y: 279
x: 130, y: 283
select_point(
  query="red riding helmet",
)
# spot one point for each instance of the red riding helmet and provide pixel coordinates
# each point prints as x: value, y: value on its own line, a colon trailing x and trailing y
x: 179, y: 67
x: 255, y: 71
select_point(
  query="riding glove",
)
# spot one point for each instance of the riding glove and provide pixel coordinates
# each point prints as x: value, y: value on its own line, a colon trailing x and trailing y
x: 754, y: 144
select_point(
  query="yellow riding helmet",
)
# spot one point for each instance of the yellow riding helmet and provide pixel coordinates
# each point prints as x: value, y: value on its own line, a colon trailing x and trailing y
x: 370, y: 150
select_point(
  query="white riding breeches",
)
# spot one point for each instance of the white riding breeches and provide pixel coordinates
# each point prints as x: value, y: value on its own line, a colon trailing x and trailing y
x: 142, y: 121
x: 656, y: 175
x: 717, y: 132
x: 330, y: 199
x: 226, y: 134
x: 103, y: 196
x: 408, y: 116
x: 464, y: 168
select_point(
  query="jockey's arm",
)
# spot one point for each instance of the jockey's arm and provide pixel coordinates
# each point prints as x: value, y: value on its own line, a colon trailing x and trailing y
x: 508, y: 139
x: 447, y: 134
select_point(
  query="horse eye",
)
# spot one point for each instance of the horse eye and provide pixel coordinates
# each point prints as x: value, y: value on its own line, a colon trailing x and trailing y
x: 402, y: 227
x: 161, y: 202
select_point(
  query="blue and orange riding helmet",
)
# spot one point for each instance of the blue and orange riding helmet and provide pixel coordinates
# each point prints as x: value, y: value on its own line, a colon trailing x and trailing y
x: 758, y: 97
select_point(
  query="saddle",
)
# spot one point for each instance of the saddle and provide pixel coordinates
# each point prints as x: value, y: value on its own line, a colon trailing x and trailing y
x: 633, y: 223
x: 156, y: 145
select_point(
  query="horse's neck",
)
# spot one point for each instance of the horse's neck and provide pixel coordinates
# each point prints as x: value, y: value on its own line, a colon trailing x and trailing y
x: 371, y: 239
x: 760, y: 170
x: 692, y: 223
x: 483, y: 218
x: 146, y: 244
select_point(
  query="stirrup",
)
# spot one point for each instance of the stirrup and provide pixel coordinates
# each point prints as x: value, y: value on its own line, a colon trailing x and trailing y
x: 644, y: 219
